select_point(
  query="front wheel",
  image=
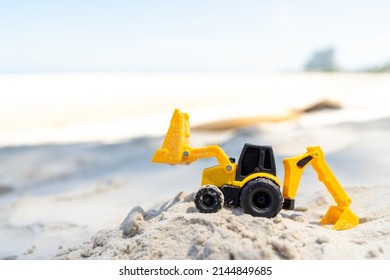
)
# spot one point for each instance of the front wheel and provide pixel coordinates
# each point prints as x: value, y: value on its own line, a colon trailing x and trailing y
x: 209, y: 199
x: 262, y: 198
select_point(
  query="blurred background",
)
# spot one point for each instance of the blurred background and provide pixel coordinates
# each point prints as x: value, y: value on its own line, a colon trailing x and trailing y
x: 87, y: 89
x: 193, y: 36
x: 68, y: 65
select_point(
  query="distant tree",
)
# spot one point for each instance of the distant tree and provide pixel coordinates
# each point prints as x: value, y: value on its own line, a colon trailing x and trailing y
x: 378, y: 69
x: 322, y: 60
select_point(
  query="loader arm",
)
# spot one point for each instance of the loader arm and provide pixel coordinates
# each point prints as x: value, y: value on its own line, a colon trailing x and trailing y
x: 340, y: 215
x: 176, y: 147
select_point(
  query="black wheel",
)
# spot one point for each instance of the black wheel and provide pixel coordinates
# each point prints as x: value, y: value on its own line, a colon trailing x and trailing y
x: 209, y: 199
x: 262, y: 198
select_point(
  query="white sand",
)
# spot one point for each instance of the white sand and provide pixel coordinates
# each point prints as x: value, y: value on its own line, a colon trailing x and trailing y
x: 178, y: 231
x: 74, y: 108
x: 57, y: 196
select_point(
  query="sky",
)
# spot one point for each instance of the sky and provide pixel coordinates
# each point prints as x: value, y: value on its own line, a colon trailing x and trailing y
x: 189, y: 35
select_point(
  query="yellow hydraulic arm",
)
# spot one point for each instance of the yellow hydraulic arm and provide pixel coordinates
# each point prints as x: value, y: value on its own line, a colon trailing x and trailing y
x: 176, y: 148
x: 340, y: 216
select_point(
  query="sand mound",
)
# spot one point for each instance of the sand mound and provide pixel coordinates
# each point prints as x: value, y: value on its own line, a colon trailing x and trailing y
x: 178, y: 231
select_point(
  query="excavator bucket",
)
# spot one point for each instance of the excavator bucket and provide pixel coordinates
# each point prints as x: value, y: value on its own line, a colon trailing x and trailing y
x: 341, y: 218
x: 176, y: 140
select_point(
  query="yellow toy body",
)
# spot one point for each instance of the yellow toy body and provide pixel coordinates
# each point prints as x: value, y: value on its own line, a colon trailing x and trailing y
x: 217, y: 176
x: 252, y: 183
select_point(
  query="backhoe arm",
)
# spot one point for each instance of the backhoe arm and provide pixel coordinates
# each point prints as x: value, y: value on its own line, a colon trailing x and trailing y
x: 176, y: 147
x: 340, y: 215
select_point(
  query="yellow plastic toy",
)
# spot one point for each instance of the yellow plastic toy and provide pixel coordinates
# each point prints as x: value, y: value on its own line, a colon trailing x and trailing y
x: 252, y: 183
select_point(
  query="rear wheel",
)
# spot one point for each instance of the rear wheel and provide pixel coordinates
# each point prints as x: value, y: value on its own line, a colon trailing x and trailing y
x: 209, y: 199
x: 262, y: 198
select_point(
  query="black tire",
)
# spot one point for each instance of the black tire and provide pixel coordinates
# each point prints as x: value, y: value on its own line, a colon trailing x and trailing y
x: 261, y: 198
x: 209, y: 199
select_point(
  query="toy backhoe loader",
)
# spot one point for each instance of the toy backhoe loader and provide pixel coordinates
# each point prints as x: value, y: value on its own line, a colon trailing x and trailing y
x: 251, y: 183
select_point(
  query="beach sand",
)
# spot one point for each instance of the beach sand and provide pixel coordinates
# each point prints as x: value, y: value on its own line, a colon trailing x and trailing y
x: 178, y: 231
x: 71, y: 193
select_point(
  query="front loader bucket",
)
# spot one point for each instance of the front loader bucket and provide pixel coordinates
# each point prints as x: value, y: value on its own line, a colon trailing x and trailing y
x: 176, y: 140
x: 340, y: 217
